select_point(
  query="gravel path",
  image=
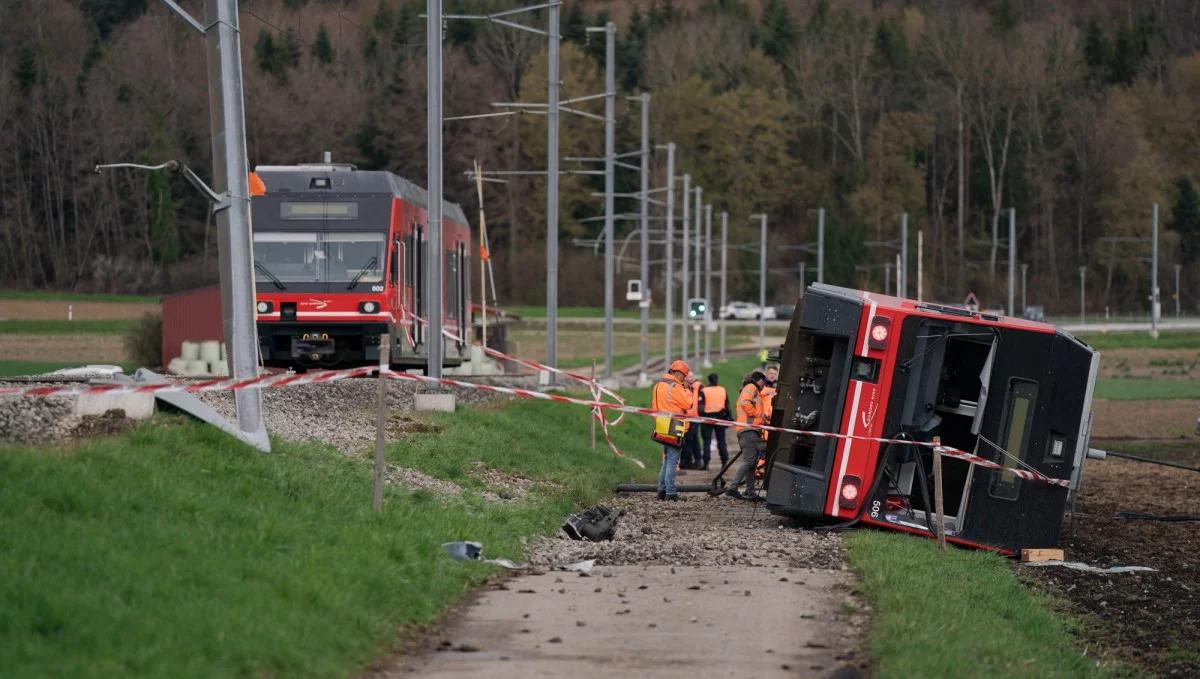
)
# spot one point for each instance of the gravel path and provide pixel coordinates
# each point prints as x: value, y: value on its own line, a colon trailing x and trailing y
x: 705, y: 587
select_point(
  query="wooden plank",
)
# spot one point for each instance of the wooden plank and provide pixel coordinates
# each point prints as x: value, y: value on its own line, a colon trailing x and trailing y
x: 1041, y: 555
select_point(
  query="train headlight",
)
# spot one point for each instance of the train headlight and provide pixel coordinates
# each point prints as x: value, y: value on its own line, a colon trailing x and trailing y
x: 263, y: 307
x: 879, y: 331
x: 848, y: 494
x: 368, y: 307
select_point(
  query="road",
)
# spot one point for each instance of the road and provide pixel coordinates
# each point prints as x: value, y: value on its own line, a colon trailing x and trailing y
x: 706, y: 587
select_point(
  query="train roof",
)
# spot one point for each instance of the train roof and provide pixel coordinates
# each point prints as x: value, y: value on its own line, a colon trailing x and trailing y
x: 349, y: 179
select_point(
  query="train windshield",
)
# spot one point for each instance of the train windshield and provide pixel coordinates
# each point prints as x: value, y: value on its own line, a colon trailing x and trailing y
x: 318, y: 257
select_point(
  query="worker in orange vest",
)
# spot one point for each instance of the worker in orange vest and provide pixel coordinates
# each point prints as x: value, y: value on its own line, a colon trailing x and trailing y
x: 749, y: 412
x: 690, y: 458
x: 768, y: 404
x: 714, y: 402
x: 673, y: 395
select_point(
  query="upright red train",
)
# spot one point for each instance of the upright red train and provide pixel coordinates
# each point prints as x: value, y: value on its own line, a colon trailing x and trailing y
x: 340, y: 258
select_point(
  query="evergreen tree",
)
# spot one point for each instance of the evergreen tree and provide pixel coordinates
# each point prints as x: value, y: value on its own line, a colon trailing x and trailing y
x: 26, y: 72
x: 266, y: 52
x: 289, y: 52
x: 382, y: 21
x: 1185, y: 219
x: 778, y: 30
x: 575, y: 25
x: 322, y: 47
x: 630, y: 53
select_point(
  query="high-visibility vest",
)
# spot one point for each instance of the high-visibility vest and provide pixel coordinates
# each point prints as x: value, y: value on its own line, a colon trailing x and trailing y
x: 714, y: 399
x: 749, y: 406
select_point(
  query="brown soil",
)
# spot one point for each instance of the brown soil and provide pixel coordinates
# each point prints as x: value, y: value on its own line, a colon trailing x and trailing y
x: 1143, y: 420
x: 65, y: 348
x: 21, y: 309
x: 1172, y: 364
x: 110, y: 423
x: 399, y: 425
x: 1149, y: 620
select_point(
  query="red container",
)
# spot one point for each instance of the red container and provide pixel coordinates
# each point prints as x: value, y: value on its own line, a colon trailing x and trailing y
x: 191, y: 315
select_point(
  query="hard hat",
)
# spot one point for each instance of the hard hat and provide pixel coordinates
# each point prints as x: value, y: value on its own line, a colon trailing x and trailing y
x: 679, y: 366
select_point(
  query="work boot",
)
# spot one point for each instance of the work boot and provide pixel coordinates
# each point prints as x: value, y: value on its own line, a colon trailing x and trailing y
x: 733, y: 493
x: 662, y: 494
x: 673, y: 498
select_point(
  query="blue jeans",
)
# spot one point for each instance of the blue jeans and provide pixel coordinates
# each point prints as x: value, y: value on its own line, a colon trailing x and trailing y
x: 666, y: 475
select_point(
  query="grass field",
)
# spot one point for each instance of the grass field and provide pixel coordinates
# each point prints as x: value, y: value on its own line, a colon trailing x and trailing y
x: 956, y: 614
x: 176, y: 551
x: 77, y: 297
x: 15, y: 368
x: 114, y: 326
x: 1146, y: 389
x: 1182, y: 339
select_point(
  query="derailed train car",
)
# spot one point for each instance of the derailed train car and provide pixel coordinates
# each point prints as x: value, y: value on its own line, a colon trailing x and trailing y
x: 1007, y: 389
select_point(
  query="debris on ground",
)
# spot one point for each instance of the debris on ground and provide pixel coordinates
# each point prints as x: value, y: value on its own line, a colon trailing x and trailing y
x: 110, y: 423
x: 1078, y: 566
x: 597, y: 524
x: 473, y: 551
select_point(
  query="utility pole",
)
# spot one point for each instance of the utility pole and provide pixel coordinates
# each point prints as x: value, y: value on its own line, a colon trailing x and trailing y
x: 1154, y: 271
x: 696, y: 260
x: 1024, y: 280
x: 887, y: 278
x: 708, y: 283
x: 669, y: 279
x: 803, y: 275
x: 231, y: 180
x: 1082, y: 294
x: 724, y: 271
x: 683, y: 314
x: 762, y: 282
x: 433, y: 139
x: 1012, y: 260
x: 1177, y: 267
x: 552, y: 44
x: 920, y: 265
x: 903, y: 288
x: 820, y: 245
x: 610, y: 93
x: 644, y: 271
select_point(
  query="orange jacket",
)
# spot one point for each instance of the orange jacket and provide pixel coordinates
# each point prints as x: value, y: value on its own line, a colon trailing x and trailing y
x: 749, y: 407
x: 714, y: 399
x: 768, y: 404
x: 695, y: 409
x: 671, y: 396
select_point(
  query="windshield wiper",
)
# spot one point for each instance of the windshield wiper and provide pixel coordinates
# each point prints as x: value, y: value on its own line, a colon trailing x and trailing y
x: 362, y: 272
x: 272, y: 277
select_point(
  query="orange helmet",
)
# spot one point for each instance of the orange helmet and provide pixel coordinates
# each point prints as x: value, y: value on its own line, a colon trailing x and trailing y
x: 679, y: 366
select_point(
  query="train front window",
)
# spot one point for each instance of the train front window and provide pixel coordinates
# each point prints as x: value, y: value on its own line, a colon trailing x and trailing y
x: 314, y: 257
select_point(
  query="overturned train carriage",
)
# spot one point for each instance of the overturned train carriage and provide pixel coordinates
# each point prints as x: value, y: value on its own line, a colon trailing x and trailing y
x: 1010, y: 390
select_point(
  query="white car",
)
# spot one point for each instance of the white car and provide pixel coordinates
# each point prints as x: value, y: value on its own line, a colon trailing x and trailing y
x: 745, y: 311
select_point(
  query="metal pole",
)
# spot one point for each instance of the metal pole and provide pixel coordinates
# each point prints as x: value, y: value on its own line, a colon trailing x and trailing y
x: 610, y: 93
x: 887, y: 278
x: 1082, y: 293
x: 724, y: 271
x: 1154, y: 271
x: 1012, y: 260
x: 669, y: 279
x: 1177, y: 267
x: 903, y: 289
x: 234, y: 241
x: 380, y: 423
x: 708, y: 283
x: 1024, y: 282
x: 645, y: 267
x: 552, y: 40
x: 821, y: 245
x: 897, y: 272
x: 683, y: 315
x: 920, y: 265
x: 433, y: 272
x: 696, y: 238
x: 762, y: 283
x: 803, y: 275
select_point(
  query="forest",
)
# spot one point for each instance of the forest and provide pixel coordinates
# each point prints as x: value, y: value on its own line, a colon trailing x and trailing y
x: 1077, y: 114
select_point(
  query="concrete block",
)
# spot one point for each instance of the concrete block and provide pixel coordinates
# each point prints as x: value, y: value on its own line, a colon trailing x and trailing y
x: 443, y: 403
x: 136, y: 406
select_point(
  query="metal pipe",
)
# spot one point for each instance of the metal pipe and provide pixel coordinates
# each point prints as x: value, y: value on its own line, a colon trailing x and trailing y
x: 1024, y: 281
x: 433, y: 272
x: 762, y: 284
x: 696, y: 238
x: 669, y: 279
x: 903, y: 289
x: 1012, y: 260
x: 1154, y: 271
x: 707, y: 284
x: 644, y: 270
x: 821, y: 245
x: 683, y: 315
x: 235, y: 246
x: 552, y: 40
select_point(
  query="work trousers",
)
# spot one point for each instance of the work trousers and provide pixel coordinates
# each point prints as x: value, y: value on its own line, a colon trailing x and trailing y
x: 691, y: 448
x: 706, y: 432
x: 751, y: 442
x: 666, y: 475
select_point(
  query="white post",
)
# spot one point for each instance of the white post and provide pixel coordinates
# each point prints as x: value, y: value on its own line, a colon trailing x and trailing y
x: 1154, y: 272
x: 724, y: 271
x: 669, y: 279
x: 433, y: 273
x: 683, y: 315
x: 552, y: 40
x: 708, y: 283
x: 920, y: 265
x: 821, y: 245
x: 762, y: 283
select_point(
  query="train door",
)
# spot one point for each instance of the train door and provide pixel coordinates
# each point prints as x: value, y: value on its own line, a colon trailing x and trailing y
x: 417, y: 255
x: 464, y: 294
x: 396, y: 265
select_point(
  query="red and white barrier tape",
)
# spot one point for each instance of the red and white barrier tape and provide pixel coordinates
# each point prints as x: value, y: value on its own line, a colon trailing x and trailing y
x: 285, y: 380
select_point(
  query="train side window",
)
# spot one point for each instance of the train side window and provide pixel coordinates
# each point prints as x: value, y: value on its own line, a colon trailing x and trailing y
x: 1018, y: 421
x: 396, y: 246
x: 451, y: 279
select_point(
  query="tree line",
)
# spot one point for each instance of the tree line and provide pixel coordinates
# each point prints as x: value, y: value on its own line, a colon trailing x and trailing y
x: 1079, y: 115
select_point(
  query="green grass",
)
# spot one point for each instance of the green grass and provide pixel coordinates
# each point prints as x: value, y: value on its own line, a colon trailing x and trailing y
x: 177, y: 551
x: 49, y: 295
x: 19, y: 368
x: 956, y: 614
x: 1145, y: 388
x: 571, y: 312
x: 110, y: 326
x: 1182, y: 339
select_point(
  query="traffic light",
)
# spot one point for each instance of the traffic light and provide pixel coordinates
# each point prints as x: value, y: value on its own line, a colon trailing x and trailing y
x: 697, y: 308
